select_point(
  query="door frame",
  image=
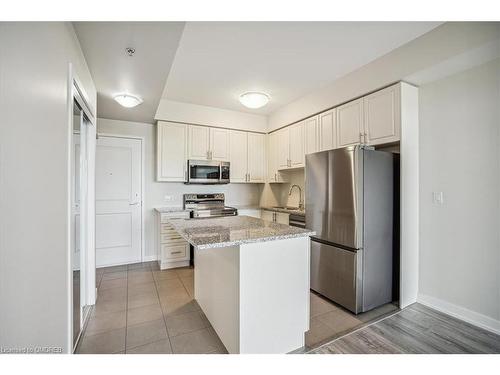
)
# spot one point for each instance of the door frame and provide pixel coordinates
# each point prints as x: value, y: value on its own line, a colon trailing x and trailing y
x: 143, y: 200
x: 76, y: 92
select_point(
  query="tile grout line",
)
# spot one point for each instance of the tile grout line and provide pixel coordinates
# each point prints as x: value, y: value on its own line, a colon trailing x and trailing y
x: 162, y: 314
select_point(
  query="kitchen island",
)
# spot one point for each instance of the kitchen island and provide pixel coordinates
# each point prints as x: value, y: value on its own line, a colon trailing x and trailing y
x: 251, y: 279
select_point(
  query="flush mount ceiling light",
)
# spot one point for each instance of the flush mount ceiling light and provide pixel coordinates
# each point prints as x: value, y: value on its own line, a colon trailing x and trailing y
x: 127, y: 100
x: 254, y: 99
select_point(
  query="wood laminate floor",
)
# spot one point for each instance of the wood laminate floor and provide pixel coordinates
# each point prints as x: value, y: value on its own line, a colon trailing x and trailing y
x: 413, y: 330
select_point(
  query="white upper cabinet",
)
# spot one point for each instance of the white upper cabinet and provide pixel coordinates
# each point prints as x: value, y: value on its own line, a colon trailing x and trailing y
x: 283, y: 157
x: 208, y: 143
x: 350, y: 128
x: 171, y: 162
x: 327, y: 130
x: 219, y: 144
x: 256, y: 157
x: 311, y: 135
x: 199, y: 142
x: 273, y: 175
x: 247, y: 157
x: 238, y: 156
x: 296, y: 146
x: 382, y: 117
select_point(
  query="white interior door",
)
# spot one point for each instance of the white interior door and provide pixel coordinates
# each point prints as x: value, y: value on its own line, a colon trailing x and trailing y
x: 118, y: 195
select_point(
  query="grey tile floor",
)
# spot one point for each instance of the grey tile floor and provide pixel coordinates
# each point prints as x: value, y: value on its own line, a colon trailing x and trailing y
x: 141, y: 309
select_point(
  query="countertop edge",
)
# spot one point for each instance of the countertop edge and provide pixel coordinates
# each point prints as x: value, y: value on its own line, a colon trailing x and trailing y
x: 244, y: 242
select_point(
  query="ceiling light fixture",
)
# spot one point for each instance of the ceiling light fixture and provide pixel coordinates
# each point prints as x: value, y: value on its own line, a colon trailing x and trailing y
x: 254, y: 99
x: 127, y: 100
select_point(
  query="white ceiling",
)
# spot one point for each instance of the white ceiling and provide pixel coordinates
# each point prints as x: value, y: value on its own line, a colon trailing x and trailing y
x: 212, y: 63
x: 113, y: 71
x: 217, y: 61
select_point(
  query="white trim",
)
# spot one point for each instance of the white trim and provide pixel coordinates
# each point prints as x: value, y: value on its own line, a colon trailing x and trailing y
x: 69, y: 218
x: 76, y: 90
x: 409, y: 196
x: 150, y: 258
x: 143, y: 183
x: 461, y: 313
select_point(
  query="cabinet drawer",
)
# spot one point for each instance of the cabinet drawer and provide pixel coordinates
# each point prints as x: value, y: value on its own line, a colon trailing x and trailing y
x: 174, y: 251
x: 165, y: 217
x: 166, y: 228
x: 164, y: 238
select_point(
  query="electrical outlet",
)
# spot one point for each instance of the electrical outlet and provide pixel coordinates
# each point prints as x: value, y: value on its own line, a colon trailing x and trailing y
x: 437, y: 197
x: 168, y: 198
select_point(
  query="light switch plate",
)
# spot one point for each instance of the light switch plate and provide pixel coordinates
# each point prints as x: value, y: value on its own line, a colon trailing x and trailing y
x: 437, y: 197
x: 168, y: 198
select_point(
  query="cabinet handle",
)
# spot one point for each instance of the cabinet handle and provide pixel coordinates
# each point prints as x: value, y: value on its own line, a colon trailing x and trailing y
x: 249, y: 177
x: 361, y: 137
x: 175, y: 252
x: 185, y: 176
x: 366, y: 137
x: 275, y: 179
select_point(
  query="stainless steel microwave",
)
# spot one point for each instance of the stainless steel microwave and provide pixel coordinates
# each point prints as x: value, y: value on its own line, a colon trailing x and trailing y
x: 208, y: 172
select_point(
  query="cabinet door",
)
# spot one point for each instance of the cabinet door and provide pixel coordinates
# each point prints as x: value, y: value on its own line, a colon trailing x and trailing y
x: 267, y: 215
x: 256, y: 157
x: 219, y: 144
x: 382, y: 116
x: 350, y: 128
x: 282, y: 218
x: 171, y: 151
x: 238, y: 156
x: 283, y: 148
x: 297, y: 145
x: 327, y: 130
x: 273, y: 175
x: 311, y: 135
x: 199, y: 141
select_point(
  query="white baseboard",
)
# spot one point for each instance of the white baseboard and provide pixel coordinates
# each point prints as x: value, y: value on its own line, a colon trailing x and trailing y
x: 149, y: 258
x: 461, y: 313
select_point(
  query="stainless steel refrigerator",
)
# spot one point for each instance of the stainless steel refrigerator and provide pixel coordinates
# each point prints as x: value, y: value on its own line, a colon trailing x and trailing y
x: 349, y: 203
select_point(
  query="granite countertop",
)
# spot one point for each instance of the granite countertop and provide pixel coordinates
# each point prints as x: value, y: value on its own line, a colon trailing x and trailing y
x: 170, y: 209
x: 287, y: 211
x: 233, y: 230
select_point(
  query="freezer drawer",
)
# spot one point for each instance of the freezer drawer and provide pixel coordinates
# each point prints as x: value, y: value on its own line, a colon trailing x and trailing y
x: 335, y: 274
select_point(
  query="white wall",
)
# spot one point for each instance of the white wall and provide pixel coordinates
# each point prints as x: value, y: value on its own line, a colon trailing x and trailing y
x: 459, y: 156
x: 155, y: 192
x: 169, y: 110
x: 437, y: 46
x: 34, y: 139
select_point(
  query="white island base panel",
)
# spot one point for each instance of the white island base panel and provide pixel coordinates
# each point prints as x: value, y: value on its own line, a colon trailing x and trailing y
x: 256, y: 295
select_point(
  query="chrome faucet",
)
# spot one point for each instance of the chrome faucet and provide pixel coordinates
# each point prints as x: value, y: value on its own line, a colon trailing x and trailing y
x: 301, y: 202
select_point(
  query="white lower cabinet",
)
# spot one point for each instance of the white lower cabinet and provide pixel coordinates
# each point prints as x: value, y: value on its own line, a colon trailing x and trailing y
x: 172, y: 250
x: 276, y: 217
